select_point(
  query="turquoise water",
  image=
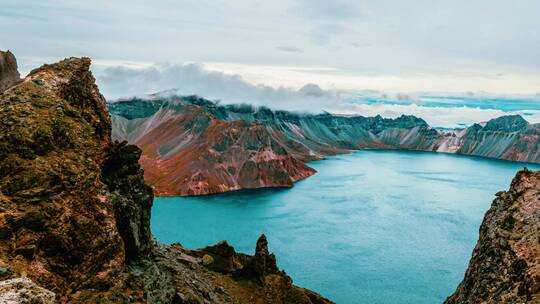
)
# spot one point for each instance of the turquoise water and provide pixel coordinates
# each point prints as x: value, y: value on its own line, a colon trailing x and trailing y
x: 369, y: 227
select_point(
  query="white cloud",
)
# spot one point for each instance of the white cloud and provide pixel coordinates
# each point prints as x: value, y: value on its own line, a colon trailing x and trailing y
x: 466, y: 79
x: 193, y: 79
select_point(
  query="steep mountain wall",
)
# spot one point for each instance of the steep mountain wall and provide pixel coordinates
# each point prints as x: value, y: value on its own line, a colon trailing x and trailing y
x: 192, y: 146
x: 75, y: 211
x: 8, y: 70
x: 505, y: 264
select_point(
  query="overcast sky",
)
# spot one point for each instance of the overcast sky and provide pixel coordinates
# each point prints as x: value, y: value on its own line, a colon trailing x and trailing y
x: 415, y: 45
x: 264, y: 52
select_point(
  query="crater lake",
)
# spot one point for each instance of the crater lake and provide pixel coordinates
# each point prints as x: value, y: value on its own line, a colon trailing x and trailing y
x: 369, y: 227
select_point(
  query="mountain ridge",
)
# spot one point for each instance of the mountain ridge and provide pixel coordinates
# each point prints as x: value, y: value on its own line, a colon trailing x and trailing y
x: 298, y: 137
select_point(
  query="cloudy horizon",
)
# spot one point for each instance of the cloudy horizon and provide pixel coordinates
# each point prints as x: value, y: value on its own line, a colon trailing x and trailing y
x: 191, y: 79
x: 264, y: 53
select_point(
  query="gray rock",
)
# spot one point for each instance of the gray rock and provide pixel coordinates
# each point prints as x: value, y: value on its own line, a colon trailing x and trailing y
x: 24, y: 291
x: 4, y: 271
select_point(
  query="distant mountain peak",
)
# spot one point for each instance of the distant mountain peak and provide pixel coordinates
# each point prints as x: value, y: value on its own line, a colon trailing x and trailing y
x: 508, y: 123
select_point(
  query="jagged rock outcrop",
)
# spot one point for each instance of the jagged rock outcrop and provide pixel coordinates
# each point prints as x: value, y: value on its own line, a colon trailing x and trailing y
x: 223, y: 258
x: 9, y: 74
x: 192, y: 146
x: 505, y: 264
x: 260, y: 268
x: 54, y: 132
x: 75, y: 210
x: 125, y: 183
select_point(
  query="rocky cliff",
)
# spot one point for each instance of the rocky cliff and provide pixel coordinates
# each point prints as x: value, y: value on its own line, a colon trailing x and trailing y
x: 193, y: 146
x: 8, y: 70
x: 75, y: 211
x: 505, y: 264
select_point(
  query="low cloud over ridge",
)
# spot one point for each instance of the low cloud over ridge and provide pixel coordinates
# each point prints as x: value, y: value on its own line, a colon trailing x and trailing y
x: 194, y: 79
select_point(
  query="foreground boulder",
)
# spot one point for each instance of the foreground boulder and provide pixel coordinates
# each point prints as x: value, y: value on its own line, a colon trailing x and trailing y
x: 75, y: 210
x: 505, y: 264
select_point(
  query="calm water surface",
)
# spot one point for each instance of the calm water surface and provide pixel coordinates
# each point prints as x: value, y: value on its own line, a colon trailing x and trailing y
x: 369, y: 227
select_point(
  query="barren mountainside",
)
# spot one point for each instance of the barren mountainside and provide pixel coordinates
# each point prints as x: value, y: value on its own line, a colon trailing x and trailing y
x: 192, y: 146
x: 75, y: 211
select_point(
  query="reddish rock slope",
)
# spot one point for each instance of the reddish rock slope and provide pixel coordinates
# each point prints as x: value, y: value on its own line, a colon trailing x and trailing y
x: 191, y: 152
x: 192, y: 146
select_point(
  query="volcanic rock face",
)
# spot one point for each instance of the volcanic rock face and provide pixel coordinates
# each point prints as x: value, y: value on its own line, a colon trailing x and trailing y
x: 54, y: 131
x: 190, y: 151
x: 75, y: 210
x: 8, y: 70
x: 505, y: 264
x: 192, y: 146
